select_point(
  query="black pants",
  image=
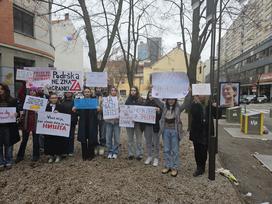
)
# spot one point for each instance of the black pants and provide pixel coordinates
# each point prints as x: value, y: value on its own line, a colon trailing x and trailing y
x: 201, y: 151
x: 35, y: 142
x: 87, y: 150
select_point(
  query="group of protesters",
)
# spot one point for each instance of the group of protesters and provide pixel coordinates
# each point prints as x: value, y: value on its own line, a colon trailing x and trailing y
x: 96, y: 134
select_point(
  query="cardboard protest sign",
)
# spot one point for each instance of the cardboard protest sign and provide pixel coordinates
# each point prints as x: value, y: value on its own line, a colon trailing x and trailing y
x: 35, y: 103
x: 7, y: 114
x: 201, y: 89
x: 24, y: 75
x: 144, y: 114
x: 86, y: 103
x: 126, y: 116
x: 41, y: 77
x: 97, y: 79
x: 66, y: 81
x: 57, y: 124
x: 110, y: 108
x: 170, y: 85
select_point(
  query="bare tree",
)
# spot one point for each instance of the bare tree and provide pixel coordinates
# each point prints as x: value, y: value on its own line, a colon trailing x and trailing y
x: 137, y: 23
x: 110, y: 20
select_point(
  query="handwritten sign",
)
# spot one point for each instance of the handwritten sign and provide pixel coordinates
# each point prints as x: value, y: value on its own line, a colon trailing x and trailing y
x: 24, y: 75
x: 201, y: 89
x: 7, y: 115
x: 41, y: 77
x: 144, y: 114
x: 86, y: 103
x: 110, y: 108
x: 170, y: 85
x: 35, y: 103
x: 126, y: 116
x: 64, y: 81
x: 97, y: 79
x: 57, y: 124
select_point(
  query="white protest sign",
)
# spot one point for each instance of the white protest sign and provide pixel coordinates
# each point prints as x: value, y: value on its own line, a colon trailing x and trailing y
x: 24, y: 75
x: 110, y: 108
x: 35, y: 103
x: 41, y: 77
x: 170, y: 84
x: 97, y: 79
x: 57, y: 124
x: 66, y: 81
x: 144, y: 114
x: 126, y: 116
x: 7, y: 115
x: 201, y: 89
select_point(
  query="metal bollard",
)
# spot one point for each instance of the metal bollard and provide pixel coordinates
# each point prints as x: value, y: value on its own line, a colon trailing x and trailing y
x: 270, y: 113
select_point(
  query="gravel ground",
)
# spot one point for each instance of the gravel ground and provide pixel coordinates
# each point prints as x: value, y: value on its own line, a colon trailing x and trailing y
x: 110, y: 181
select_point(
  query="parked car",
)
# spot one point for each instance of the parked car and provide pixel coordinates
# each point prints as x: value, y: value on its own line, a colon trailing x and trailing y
x: 262, y: 99
x: 248, y: 99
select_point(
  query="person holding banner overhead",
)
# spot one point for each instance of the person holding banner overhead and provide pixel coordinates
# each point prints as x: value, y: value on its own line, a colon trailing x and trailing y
x: 135, y: 99
x: 171, y: 130
x: 9, y: 132
x: 151, y: 133
x: 29, y: 126
x: 55, y: 146
x: 87, y: 127
x: 112, y: 127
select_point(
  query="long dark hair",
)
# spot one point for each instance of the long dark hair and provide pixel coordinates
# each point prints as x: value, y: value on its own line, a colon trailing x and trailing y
x: 6, y: 96
x: 137, y: 91
x: 168, y: 106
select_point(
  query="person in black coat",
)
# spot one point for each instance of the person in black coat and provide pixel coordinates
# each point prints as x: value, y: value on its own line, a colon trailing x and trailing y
x: 66, y: 107
x: 199, y: 132
x: 55, y: 146
x: 87, y: 128
x: 9, y: 132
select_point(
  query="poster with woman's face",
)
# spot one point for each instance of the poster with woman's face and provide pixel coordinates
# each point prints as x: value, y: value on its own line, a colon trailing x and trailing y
x: 229, y: 94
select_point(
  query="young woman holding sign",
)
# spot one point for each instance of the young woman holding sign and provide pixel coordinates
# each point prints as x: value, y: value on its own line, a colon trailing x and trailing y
x: 87, y: 128
x: 29, y: 119
x: 135, y: 99
x: 171, y: 129
x: 55, y: 146
x: 151, y: 133
x: 112, y: 132
x: 9, y: 133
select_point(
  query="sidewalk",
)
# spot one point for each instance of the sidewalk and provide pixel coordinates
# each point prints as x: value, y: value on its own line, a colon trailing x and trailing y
x: 112, y: 181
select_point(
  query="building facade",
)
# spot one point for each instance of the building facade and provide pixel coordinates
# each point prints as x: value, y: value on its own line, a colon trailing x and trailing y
x: 246, y: 49
x: 154, y: 49
x: 68, y: 45
x: 142, y: 51
x: 25, y: 38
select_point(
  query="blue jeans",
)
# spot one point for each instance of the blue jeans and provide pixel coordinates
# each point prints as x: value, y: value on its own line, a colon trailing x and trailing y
x: 171, y: 148
x: 135, y: 149
x: 5, y: 149
x: 112, y: 132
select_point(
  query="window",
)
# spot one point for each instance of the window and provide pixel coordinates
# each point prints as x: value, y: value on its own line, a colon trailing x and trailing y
x: 123, y: 93
x: 23, y: 21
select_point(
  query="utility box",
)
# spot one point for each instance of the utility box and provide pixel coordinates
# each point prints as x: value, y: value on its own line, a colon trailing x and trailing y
x: 233, y: 114
x: 252, y: 123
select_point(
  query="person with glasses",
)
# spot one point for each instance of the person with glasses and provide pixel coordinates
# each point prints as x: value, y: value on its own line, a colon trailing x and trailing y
x: 135, y: 147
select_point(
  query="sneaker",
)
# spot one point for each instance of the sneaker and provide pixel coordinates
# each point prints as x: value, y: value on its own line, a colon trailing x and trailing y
x: 51, y: 160
x: 165, y: 170
x: 8, y: 166
x: 96, y: 151
x: 148, y: 160
x: 155, y: 162
x: 109, y: 156
x: 70, y: 155
x: 58, y: 158
x: 101, y: 151
x: 139, y: 158
x: 114, y: 156
x: 174, y: 172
